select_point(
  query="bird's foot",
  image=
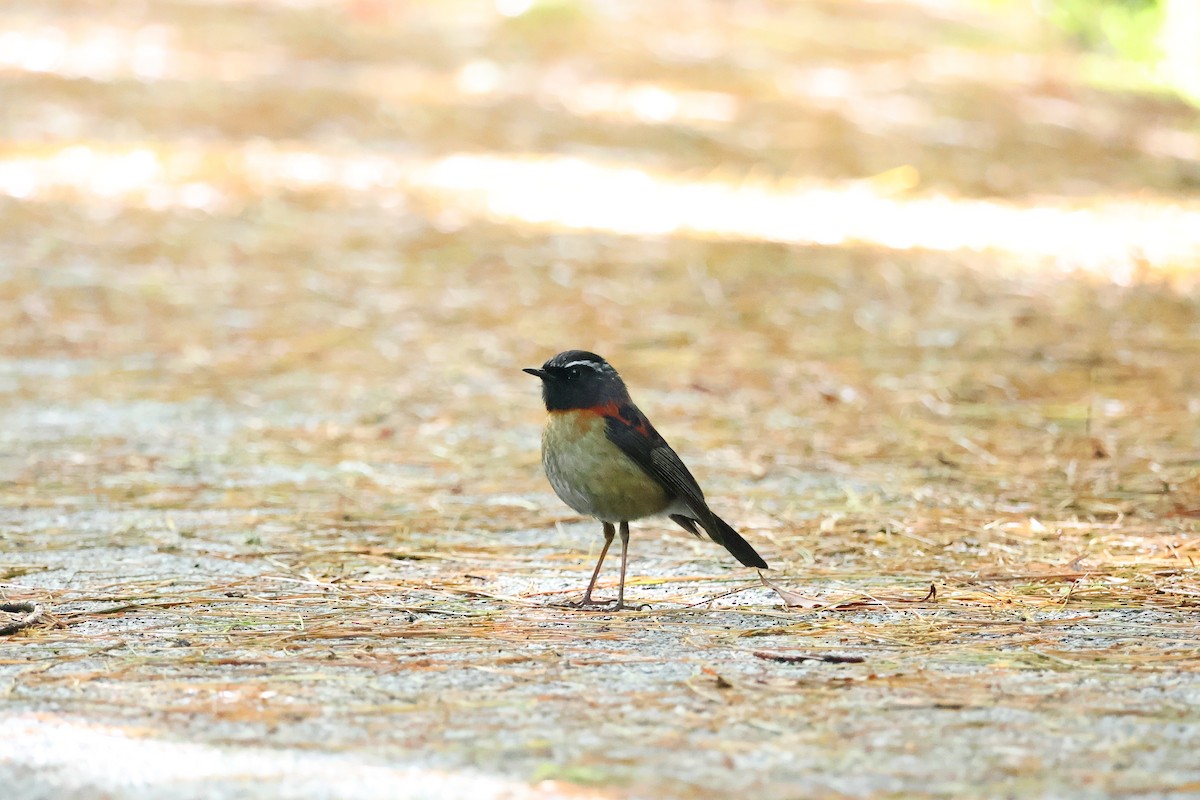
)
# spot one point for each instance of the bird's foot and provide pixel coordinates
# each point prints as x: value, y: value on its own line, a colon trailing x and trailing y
x: 588, y: 604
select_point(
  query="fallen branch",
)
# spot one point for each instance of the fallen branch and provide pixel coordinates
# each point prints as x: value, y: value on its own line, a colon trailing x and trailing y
x: 33, y: 612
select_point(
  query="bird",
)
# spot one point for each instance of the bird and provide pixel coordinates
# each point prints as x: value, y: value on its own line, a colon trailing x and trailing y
x: 605, y: 460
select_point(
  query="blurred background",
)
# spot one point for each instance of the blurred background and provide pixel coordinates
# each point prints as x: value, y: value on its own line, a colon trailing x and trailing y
x: 806, y: 218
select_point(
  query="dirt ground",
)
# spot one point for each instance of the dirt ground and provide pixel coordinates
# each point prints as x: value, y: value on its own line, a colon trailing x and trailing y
x: 911, y: 286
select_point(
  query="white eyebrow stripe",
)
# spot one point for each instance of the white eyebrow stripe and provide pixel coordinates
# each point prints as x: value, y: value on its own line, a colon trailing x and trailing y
x: 586, y: 362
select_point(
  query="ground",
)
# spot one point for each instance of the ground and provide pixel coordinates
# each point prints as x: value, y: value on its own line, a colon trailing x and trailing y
x: 910, y: 286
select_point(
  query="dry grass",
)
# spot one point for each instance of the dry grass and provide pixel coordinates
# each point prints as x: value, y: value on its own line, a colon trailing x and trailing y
x: 269, y: 461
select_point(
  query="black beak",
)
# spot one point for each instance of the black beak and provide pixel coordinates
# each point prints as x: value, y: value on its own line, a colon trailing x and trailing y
x: 541, y: 373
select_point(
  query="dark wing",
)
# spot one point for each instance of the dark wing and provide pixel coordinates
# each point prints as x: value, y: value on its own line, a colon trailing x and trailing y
x: 628, y: 429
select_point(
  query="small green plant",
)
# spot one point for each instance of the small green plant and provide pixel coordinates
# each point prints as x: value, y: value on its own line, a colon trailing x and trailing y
x: 1127, y: 28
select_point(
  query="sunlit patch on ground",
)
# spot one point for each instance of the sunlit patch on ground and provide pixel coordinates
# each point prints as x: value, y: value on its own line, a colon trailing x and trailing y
x: 1121, y: 238
x: 1114, y: 237
x: 78, y: 757
x: 93, y: 52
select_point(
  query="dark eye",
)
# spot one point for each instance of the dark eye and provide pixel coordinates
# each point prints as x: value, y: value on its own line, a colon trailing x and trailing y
x: 574, y: 373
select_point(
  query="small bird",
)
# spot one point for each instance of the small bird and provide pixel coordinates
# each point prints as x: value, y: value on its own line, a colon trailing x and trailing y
x: 604, y: 459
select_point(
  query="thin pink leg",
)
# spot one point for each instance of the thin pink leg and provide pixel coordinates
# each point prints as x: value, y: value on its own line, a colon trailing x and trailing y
x: 624, y: 561
x: 609, y: 533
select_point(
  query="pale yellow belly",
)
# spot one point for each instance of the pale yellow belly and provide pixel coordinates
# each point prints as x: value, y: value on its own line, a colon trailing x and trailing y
x: 592, y: 475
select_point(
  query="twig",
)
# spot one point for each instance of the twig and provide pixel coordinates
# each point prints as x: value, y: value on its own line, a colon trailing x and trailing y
x: 33, y: 613
x: 796, y: 658
x: 714, y: 598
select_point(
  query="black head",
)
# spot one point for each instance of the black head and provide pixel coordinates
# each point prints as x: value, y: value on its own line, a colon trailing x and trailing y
x: 579, y: 379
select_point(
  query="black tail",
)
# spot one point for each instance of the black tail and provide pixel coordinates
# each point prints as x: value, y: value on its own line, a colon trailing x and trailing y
x: 723, y: 534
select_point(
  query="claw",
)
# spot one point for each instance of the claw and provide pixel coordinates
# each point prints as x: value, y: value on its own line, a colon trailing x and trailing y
x: 587, y: 604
